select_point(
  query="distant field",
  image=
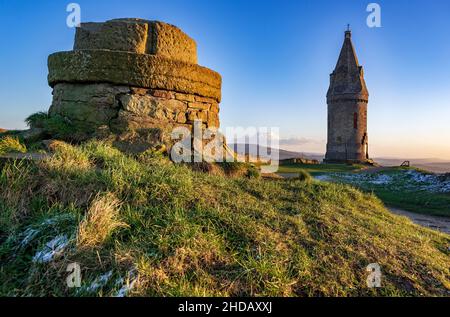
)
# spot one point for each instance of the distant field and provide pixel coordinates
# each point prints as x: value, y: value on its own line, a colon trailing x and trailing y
x: 318, y: 169
x: 443, y: 167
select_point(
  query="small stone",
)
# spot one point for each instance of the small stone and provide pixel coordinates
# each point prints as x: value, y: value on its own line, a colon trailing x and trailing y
x: 203, y: 116
x: 140, y: 105
x: 214, y: 108
x: 181, y: 117
x: 173, y: 104
x: 139, y: 91
x: 163, y: 94
x: 192, y: 115
x: 204, y: 99
x: 199, y: 105
x: 185, y: 97
x: 213, y: 120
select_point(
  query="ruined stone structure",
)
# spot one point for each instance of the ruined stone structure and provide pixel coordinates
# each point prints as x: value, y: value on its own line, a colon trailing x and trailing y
x: 347, y: 100
x: 132, y: 80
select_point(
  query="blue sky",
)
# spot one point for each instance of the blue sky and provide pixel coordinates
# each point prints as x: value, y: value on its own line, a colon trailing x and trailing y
x: 275, y: 58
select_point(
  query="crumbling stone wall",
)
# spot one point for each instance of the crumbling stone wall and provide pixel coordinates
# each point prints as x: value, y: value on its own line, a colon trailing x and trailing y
x: 134, y: 81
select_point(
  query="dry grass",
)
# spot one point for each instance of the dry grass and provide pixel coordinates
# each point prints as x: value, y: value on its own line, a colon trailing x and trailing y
x: 100, y: 221
x: 10, y: 144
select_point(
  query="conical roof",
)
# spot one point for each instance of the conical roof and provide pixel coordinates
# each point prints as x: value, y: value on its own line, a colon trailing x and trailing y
x: 347, y: 79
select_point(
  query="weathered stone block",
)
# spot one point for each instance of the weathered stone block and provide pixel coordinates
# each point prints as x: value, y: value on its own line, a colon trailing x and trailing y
x: 214, y: 108
x: 126, y: 36
x: 137, y: 36
x: 213, y: 120
x: 203, y: 116
x: 192, y: 115
x: 185, y: 97
x: 88, y: 105
x: 199, y: 105
x: 169, y: 41
x: 204, y: 99
x: 163, y: 94
x: 181, y: 117
x: 139, y: 91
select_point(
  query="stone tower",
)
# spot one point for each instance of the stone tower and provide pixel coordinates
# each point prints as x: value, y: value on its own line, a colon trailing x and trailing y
x: 132, y: 81
x: 347, y: 100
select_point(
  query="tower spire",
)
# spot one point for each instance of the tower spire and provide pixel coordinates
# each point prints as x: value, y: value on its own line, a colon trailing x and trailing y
x: 348, y: 75
x: 348, y: 32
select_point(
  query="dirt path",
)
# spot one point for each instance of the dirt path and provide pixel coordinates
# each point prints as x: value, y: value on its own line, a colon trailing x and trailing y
x: 433, y: 222
x: 23, y: 156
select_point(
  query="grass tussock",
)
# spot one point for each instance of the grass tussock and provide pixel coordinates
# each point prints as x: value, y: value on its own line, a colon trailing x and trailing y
x: 143, y: 226
x: 101, y: 220
x: 9, y: 144
x: 304, y: 176
x: 55, y: 126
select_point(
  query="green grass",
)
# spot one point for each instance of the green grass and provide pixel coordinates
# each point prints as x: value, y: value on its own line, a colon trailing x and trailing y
x: 318, y: 169
x: 437, y: 204
x: 402, y: 194
x: 56, y: 127
x: 177, y: 232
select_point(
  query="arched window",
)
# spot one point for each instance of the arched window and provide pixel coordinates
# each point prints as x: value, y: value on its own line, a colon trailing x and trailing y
x: 355, y: 120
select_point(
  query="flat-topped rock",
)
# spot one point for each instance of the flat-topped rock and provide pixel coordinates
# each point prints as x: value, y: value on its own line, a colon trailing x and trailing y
x: 132, y: 81
x: 137, y: 36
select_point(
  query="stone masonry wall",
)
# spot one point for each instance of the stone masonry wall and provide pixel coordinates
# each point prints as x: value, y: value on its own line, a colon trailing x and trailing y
x: 138, y: 118
x: 346, y: 142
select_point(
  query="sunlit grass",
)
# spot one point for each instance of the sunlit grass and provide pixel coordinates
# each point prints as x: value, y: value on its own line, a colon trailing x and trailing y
x: 9, y: 144
x: 178, y: 232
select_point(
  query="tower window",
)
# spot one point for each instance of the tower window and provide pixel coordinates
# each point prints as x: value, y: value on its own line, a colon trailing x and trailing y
x: 355, y: 120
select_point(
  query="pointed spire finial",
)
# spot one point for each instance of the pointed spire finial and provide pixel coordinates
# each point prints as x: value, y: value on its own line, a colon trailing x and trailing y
x: 348, y: 33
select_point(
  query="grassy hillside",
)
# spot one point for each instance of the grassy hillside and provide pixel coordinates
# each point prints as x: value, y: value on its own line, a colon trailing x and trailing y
x: 142, y: 226
x: 410, y: 189
x: 406, y: 188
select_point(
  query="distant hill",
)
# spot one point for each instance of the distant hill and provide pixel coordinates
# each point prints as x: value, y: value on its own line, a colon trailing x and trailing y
x: 430, y: 164
x: 262, y: 150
